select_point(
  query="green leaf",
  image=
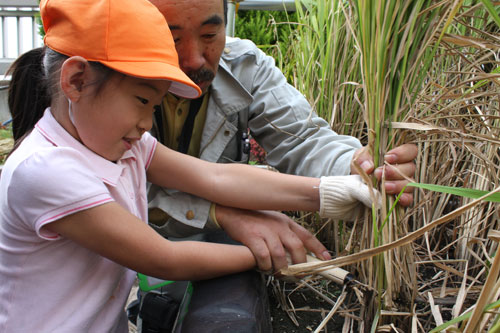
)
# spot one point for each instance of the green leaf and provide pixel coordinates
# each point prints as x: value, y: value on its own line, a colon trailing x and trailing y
x: 463, y: 192
x: 461, y: 318
x: 491, y: 9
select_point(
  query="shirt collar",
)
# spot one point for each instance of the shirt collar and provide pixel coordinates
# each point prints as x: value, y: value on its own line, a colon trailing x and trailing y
x: 108, y: 171
x: 228, y: 91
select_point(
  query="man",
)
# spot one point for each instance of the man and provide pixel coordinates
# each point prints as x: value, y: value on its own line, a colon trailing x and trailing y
x: 243, y: 89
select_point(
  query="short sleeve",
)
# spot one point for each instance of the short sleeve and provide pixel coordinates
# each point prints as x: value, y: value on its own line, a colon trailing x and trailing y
x: 51, y: 184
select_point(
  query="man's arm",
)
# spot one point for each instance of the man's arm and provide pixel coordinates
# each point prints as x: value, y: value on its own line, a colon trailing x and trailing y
x: 270, y: 236
x: 297, y: 141
x: 324, y: 152
x: 282, y: 121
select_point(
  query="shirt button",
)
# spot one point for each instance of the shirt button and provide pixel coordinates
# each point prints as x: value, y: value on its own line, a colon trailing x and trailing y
x: 190, y: 215
x: 226, y: 133
x: 227, y: 50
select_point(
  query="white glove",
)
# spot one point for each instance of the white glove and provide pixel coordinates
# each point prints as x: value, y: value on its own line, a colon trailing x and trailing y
x: 341, y: 197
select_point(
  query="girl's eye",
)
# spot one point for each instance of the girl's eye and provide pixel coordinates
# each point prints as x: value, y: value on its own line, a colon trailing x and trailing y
x: 142, y: 100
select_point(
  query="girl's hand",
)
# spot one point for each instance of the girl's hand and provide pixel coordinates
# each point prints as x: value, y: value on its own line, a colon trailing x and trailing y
x: 343, y: 197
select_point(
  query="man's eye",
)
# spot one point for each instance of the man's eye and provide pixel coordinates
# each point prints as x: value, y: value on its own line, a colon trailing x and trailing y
x: 142, y: 100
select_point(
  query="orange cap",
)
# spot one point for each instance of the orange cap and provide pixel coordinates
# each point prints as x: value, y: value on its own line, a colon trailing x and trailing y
x: 129, y: 36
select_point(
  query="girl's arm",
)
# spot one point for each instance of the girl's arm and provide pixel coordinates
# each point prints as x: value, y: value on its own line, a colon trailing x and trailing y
x: 235, y: 185
x: 112, y: 232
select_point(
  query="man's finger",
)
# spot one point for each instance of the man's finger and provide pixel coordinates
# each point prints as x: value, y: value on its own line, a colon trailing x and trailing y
x: 362, y: 159
x: 394, y: 187
x: 401, y: 154
x: 311, y: 243
x: 276, y: 251
x: 396, y: 172
x: 294, y: 247
x: 261, y: 253
x: 406, y: 199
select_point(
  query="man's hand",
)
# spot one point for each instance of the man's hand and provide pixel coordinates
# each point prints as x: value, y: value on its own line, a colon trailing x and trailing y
x: 400, y: 160
x: 270, y: 236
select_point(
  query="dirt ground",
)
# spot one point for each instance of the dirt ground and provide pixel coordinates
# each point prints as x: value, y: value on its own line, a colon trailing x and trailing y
x: 310, y: 310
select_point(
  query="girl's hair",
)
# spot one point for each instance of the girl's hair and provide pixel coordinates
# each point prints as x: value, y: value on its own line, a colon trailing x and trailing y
x: 28, y: 94
x: 34, y: 83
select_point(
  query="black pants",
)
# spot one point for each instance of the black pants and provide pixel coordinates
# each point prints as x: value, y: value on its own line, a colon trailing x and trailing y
x: 233, y: 303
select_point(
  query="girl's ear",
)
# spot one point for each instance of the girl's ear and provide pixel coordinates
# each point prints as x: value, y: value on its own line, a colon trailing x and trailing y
x: 75, y: 72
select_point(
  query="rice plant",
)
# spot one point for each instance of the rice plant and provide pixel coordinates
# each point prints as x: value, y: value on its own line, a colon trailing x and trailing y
x: 321, y: 63
x: 397, y: 41
x: 428, y: 73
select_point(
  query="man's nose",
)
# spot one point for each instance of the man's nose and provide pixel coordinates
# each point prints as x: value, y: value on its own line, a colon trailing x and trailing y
x: 191, y: 55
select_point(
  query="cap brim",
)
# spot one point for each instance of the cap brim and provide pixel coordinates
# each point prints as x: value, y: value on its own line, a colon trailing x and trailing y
x: 181, y: 84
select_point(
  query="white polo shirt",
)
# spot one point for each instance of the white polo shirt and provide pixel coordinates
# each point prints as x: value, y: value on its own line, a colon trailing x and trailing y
x: 48, y: 283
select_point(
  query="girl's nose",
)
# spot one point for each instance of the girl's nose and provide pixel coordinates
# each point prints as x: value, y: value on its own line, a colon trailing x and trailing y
x: 145, y: 124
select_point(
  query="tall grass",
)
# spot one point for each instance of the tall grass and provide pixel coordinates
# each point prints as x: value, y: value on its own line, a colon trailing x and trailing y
x: 425, y: 72
x: 397, y: 41
x: 465, y: 108
x: 322, y: 65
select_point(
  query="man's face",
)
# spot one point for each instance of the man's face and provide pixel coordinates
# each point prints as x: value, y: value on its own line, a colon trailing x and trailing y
x: 199, y: 34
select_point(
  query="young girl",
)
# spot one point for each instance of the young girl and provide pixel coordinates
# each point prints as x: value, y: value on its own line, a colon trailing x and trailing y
x: 73, y: 192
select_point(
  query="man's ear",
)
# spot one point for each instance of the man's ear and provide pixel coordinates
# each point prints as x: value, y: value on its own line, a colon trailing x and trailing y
x: 75, y: 72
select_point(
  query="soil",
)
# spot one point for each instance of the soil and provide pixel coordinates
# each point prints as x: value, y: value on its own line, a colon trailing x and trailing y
x: 310, y: 310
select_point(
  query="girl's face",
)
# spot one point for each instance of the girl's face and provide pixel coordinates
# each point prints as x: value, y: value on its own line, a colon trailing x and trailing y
x: 109, y: 122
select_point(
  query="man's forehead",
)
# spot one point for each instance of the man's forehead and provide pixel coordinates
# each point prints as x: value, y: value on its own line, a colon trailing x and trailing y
x: 179, y: 10
x: 212, y: 20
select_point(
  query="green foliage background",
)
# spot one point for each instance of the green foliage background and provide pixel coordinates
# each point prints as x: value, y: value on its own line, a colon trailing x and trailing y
x: 257, y: 25
x: 271, y: 31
